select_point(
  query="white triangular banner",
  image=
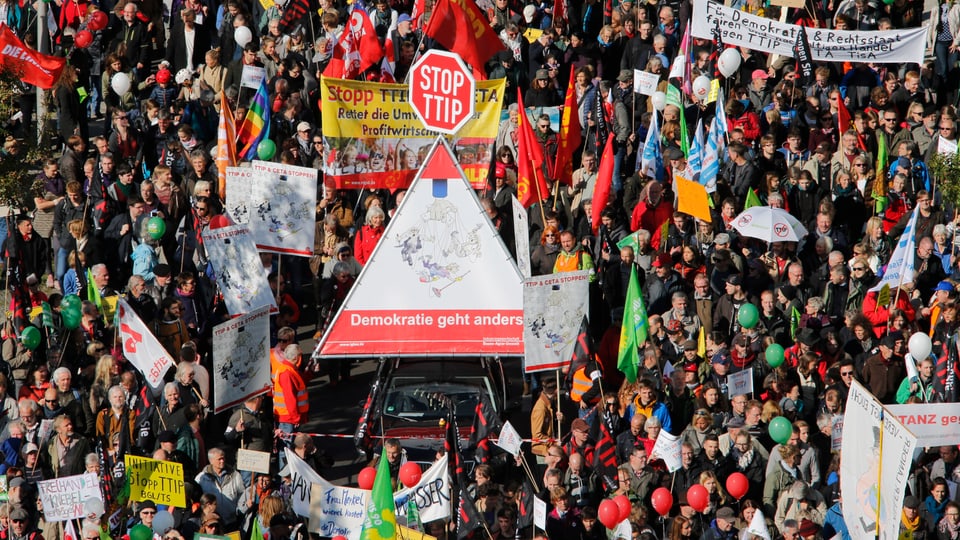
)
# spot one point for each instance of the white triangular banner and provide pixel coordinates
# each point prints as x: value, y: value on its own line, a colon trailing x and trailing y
x: 439, y: 282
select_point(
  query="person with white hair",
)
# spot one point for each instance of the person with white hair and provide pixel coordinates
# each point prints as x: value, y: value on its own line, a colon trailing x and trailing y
x: 291, y: 403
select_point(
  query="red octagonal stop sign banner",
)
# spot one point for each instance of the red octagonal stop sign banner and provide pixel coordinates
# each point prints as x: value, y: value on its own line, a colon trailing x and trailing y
x: 442, y: 91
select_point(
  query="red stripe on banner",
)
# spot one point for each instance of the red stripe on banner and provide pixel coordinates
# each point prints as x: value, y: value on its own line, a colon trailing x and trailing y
x: 444, y: 331
x: 273, y: 249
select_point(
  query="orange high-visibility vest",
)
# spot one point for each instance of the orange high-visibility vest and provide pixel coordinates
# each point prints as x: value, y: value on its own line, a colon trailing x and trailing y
x: 280, y: 399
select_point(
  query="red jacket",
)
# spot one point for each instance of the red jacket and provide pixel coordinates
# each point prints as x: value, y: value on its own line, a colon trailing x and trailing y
x: 748, y: 122
x: 878, y: 315
x: 649, y: 219
x: 366, y: 240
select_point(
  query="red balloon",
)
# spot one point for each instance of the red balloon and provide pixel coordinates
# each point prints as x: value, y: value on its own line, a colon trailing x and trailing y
x: 339, y: 538
x: 410, y: 474
x: 366, y: 477
x: 608, y: 513
x: 98, y: 21
x: 219, y: 221
x: 662, y: 500
x: 737, y: 485
x: 83, y: 39
x: 698, y: 498
x: 623, y: 504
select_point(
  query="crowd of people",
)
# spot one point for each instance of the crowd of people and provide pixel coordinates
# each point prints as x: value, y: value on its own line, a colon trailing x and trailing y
x: 74, y: 404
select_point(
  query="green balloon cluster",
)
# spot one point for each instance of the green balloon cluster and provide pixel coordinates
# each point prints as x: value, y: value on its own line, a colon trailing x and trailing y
x: 780, y: 430
x: 156, y: 227
x: 266, y: 149
x: 774, y: 355
x: 30, y: 337
x: 748, y: 316
x: 70, y: 311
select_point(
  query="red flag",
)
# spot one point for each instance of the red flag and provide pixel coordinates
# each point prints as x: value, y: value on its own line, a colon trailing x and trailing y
x: 485, y: 422
x: 559, y: 10
x: 569, y: 138
x: 34, y: 68
x: 601, y: 193
x: 461, y: 27
x: 357, y: 50
x: 531, y: 187
x: 845, y: 122
x: 295, y: 11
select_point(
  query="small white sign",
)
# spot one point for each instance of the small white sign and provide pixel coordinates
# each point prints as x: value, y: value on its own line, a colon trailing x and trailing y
x: 509, y: 439
x: 254, y: 461
x: 644, y: 82
x: 251, y: 76
x: 540, y: 513
x: 740, y: 383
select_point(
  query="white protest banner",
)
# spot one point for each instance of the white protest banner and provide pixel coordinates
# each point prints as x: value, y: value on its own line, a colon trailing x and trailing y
x: 141, y: 348
x: 251, y: 76
x: 238, y: 269
x: 431, y: 494
x: 553, y: 308
x: 540, y: 513
x: 645, y: 82
x: 934, y: 424
x: 64, y: 498
x: 740, y: 383
x: 241, y: 359
x: 302, y: 476
x: 677, y: 67
x: 337, y: 510
x: 509, y: 439
x: 946, y: 147
x: 869, y: 430
x: 667, y: 448
x: 739, y: 28
x: 521, y: 234
x: 253, y: 461
x: 282, y: 204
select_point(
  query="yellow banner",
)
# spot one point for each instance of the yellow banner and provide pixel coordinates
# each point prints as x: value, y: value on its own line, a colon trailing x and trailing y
x: 155, y: 480
x: 375, y: 140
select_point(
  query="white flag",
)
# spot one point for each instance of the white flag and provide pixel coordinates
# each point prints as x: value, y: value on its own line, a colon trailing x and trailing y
x: 900, y: 269
x: 141, y: 348
x: 758, y: 526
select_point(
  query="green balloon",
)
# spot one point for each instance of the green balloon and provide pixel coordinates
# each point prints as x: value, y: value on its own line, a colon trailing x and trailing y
x: 71, y: 318
x: 141, y: 532
x: 156, y: 227
x: 774, y: 355
x: 748, y: 316
x: 70, y: 301
x: 266, y: 149
x: 780, y: 430
x: 30, y: 337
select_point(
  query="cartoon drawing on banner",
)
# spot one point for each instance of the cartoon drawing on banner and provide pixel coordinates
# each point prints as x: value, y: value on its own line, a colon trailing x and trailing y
x: 564, y: 326
x: 436, y: 248
x: 244, y: 367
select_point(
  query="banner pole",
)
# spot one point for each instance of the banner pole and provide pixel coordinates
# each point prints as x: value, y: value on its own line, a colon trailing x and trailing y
x: 879, y: 472
x: 559, y: 431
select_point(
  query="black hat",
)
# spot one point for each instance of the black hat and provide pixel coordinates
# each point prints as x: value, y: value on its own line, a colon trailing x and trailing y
x: 23, y: 217
x: 888, y: 341
x: 672, y: 153
x: 930, y: 109
x: 147, y: 505
x: 911, y: 502
x: 161, y: 270
x: 166, y: 436
x: 734, y: 279
x: 809, y: 337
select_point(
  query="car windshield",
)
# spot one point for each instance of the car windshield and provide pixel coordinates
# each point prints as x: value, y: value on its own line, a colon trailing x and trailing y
x: 412, y: 399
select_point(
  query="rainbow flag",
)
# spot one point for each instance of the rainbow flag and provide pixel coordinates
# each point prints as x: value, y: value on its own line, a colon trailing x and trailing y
x: 256, y: 125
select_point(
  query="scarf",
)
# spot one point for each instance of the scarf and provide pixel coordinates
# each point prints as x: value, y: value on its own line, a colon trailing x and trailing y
x: 936, y: 510
x: 946, y: 527
x: 908, y: 526
x: 744, y: 361
x: 744, y: 460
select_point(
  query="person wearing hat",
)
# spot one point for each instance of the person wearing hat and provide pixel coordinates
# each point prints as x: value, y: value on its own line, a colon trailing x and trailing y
x: 721, y: 528
x: 821, y: 164
x: 759, y: 93
x: 808, y: 530
x: 21, y: 524
x: 925, y: 131
x: 883, y: 371
x: 728, y: 306
x: 661, y: 284
x: 579, y: 442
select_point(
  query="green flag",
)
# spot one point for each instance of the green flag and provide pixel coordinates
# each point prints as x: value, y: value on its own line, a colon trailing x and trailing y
x: 256, y: 533
x: 673, y: 96
x: 380, y: 521
x: 684, y: 136
x: 794, y: 322
x: 752, y: 200
x: 631, y: 241
x: 47, y: 316
x: 633, y: 332
x: 93, y: 293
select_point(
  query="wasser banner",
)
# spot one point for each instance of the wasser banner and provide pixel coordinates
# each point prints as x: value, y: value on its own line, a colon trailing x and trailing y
x: 767, y: 35
x: 374, y: 139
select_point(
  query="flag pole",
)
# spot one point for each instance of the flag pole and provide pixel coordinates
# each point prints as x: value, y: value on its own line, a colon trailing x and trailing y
x: 880, y: 469
x: 559, y: 431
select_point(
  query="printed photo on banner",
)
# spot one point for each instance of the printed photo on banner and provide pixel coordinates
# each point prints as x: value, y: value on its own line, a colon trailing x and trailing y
x: 241, y: 359
x: 378, y: 141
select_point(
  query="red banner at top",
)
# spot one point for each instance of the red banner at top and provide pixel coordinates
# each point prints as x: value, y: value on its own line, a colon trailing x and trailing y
x: 34, y: 68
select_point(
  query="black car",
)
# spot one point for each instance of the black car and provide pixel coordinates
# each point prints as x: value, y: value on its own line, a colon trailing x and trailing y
x: 410, y: 400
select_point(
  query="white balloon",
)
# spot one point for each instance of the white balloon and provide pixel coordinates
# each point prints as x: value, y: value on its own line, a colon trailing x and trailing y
x: 93, y: 506
x: 919, y: 346
x: 242, y: 36
x: 162, y: 522
x: 659, y: 100
x: 120, y: 82
x: 729, y: 62
x: 701, y: 87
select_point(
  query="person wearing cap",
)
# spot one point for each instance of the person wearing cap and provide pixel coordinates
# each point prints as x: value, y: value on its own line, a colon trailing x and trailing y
x: 808, y: 530
x: 661, y: 284
x: 722, y: 527
x: 883, y: 372
x: 579, y: 442
x: 801, y: 503
x: 728, y: 306
x: 22, y: 526
x: 759, y: 93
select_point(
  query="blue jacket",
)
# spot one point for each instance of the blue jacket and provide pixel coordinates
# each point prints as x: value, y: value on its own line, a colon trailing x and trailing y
x: 834, y: 524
